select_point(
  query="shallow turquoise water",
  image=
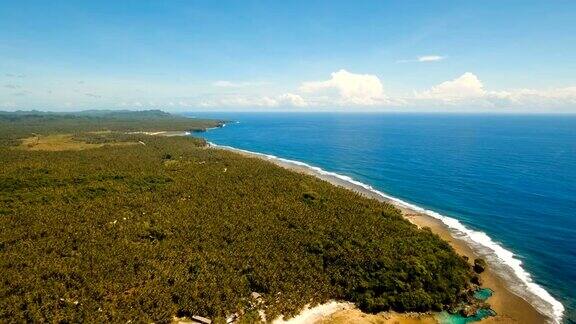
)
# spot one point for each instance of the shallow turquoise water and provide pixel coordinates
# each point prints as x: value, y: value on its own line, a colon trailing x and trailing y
x: 446, y: 318
x: 483, y: 294
x: 511, y: 177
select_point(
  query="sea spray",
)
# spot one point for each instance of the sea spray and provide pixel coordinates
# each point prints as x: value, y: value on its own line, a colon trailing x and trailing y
x: 497, y: 256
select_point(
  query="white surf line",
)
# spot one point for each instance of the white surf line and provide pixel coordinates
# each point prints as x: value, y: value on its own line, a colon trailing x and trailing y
x: 482, y: 244
x: 215, y: 127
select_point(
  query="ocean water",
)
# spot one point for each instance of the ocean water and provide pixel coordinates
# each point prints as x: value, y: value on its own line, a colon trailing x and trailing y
x: 505, y: 183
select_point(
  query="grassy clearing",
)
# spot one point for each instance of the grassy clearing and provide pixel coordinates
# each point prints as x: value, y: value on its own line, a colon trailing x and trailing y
x: 62, y: 142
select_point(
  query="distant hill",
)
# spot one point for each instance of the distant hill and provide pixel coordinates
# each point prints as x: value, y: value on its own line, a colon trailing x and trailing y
x: 20, y: 124
x: 107, y: 113
x: 152, y: 113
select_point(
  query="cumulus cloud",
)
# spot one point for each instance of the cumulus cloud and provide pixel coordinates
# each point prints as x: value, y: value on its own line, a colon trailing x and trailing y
x: 340, y: 90
x: 565, y: 96
x: 343, y: 88
x: 468, y: 89
x: 346, y: 88
x: 290, y: 99
x: 464, y: 87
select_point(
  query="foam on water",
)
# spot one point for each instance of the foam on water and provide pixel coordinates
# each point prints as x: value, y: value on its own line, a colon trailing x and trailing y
x: 497, y: 256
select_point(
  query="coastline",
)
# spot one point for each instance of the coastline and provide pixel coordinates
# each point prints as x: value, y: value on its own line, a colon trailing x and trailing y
x: 509, y: 306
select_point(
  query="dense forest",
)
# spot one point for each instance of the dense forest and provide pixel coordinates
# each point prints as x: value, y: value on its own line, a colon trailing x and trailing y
x: 17, y: 125
x: 164, y: 226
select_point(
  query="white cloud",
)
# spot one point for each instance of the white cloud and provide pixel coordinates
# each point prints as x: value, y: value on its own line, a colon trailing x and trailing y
x: 240, y: 102
x: 245, y: 101
x: 537, y: 98
x: 232, y: 84
x: 346, y: 88
x: 464, y: 87
x: 341, y: 90
x: 468, y: 91
x: 424, y: 59
x: 290, y: 99
x: 430, y: 58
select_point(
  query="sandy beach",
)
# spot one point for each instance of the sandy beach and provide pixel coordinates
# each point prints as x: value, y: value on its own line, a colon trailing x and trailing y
x: 509, y: 307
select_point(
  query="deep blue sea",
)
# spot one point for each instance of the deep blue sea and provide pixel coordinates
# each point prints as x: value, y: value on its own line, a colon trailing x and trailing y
x: 511, y: 177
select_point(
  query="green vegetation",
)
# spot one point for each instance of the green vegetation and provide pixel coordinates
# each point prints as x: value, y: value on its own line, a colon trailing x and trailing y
x: 147, y: 232
x: 18, y: 125
x: 479, y: 265
x: 65, y: 142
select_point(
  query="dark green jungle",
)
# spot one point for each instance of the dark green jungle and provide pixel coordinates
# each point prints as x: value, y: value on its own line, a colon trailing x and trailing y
x: 145, y: 228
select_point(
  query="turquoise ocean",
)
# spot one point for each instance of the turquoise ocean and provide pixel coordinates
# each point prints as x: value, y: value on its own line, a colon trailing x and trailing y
x: 504, y: 183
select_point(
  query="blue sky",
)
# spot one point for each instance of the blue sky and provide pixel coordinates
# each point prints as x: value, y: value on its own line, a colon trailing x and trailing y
x: 503, y: 56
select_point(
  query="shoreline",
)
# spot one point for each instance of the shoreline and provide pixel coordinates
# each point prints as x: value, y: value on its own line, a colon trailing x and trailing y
x: 506, y: 301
